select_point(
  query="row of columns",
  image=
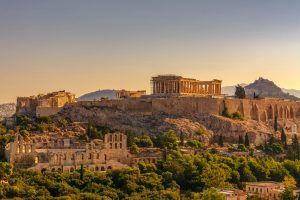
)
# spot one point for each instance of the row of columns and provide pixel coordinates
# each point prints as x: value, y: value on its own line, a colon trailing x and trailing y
x: 185, y: 87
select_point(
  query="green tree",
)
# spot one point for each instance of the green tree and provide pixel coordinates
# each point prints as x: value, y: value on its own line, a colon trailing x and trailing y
x: 195, y: 144
x: 276, y: 124
x: 24, y: 133
x: 81, y: 172
x: 283, y: 138
x: 181, y: 138
x: 2, y: 129
x: 6, y: 170
x: 212, y: 194
x: 288, y: 194
x: 241, y: 139
x: 294, y: 150
x: 134, y: 149
x: 214, y: 176
x: 168, y: 140
x: 237, y: 116
x: 221, y: 141
x: 225, y: 112
x: 240, y: 92
x: 247, y: 142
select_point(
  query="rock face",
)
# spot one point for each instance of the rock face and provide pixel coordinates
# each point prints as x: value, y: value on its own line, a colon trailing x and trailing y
x: 266, y: 88
x: 210, y: 126
x: 7, y: 110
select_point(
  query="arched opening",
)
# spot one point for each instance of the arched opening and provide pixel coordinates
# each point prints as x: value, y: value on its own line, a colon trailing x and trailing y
x: 264, y: 116
x: 292, y: 112
x: 59, y: 170
x: 270, y: 112
x: 97, y: 168
x: 281, y: 113
x: 109, y: 167
x: 102, y: 169
x: 105, y: 157
x: 53, y: 169
x: 287, y: 113
x: 255, y: 113
x: 72, y: 169
x: 43, y: 170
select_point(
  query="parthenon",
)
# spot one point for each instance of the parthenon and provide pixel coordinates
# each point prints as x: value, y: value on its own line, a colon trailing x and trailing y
x: 171, y: 85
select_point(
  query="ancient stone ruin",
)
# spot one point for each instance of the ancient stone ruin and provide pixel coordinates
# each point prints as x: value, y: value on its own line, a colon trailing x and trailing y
x: 171, y: 85
x: 43, y: 105
x: 63, y: 153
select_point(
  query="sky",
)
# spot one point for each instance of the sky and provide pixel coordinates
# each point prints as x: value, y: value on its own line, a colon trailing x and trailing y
x: 83, y: 46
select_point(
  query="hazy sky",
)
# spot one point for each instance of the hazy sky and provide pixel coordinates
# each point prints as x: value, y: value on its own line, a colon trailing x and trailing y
x: 86, y: 45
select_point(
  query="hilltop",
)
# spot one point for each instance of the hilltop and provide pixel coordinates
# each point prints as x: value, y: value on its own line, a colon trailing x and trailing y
x: 264, y: 88
x: 97, y: 95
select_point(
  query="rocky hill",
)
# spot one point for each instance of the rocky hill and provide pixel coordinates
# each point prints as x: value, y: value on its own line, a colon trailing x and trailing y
x: 7, y: 110
x: 97, y: 95
x: 210, y: 126
x: 266, y: 88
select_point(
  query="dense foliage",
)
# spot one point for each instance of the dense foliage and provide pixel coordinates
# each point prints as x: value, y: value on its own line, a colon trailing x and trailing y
x: 176, y: 176
x: 240, y: 92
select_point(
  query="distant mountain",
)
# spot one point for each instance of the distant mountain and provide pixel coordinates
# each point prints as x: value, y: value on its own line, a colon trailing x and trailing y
x: 292, y: 92
x: 97, y: 95
x: 264, y: 88
x: 7, y: 110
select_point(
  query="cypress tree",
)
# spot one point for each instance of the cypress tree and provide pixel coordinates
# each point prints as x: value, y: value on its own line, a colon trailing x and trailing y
x: 81, y: 172
x: 283, y: 138
x: 241, y: 139
x: 181, y: 138
x: 221, y: 141
x: 296, y: 147
x: 247, y: 142
x: 165, y: 154
x: 276, y: 124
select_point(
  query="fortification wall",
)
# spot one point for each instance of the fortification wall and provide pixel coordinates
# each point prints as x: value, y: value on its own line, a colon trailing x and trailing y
x: 260, y: 110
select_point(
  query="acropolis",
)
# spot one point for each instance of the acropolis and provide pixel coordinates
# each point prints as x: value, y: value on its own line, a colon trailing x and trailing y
x: 44, y: 105
x: 172, y: 85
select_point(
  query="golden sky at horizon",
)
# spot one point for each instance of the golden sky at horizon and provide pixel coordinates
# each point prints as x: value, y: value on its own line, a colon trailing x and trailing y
x: 55, y: 45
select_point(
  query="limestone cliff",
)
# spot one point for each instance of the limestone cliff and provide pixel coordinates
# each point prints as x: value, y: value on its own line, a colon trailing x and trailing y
x: 154, y: 123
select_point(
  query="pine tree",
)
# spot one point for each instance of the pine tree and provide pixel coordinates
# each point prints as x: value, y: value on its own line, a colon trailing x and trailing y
x: 276, y: 124
x: 221, y: 141
x: 247, y: 142
x: 240, y: 92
